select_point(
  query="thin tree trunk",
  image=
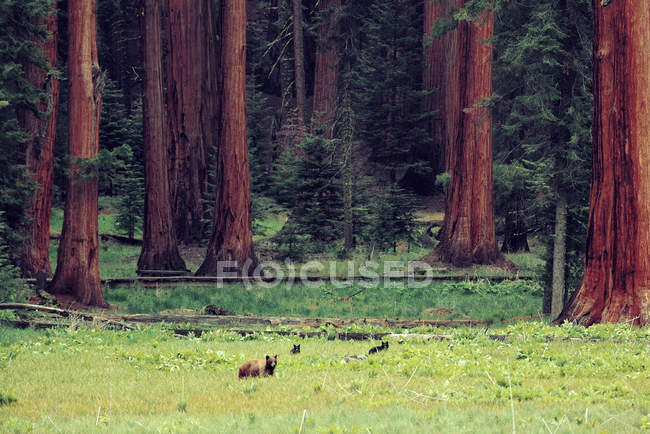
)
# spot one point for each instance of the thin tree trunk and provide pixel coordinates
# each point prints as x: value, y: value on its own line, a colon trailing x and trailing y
x: 159, y: 249
x: 559, y: 257
x: 193, y: 109
x: 299, y: 58
x: 616, y: 283
x: 39, y: 157
x: 436, y: 56
x: 347, y: 133
x: 467, y: 236
x: 326, y: 71
x: 77, y: 271
x: 232, y: 238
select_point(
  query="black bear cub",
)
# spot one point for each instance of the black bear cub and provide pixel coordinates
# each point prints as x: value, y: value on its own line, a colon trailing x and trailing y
x: 258, y: 368
x: 296, y: 349
x: 383, y: 346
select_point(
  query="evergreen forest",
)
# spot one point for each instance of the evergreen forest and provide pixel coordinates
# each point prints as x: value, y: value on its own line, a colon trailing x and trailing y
x: 463, y: 131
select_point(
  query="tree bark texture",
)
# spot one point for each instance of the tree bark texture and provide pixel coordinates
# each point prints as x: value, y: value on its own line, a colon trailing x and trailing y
x: 467, y: 236
x: 193, y: 109
x: 299, y: 58
x: 436, y: 56
x: 232, y: 238
x: 77, y: 271
x: 39, y: 157
x: 159, y: 249
x: 326, y: 71
x: 559, y: 257
x: 616, y: 283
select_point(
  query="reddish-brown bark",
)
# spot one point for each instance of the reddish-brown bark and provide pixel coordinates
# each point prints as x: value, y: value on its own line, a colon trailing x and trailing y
x: 326, y: 71
x: 232, y: 238
x: 436, y: 56
x: 192, y: 108
x: 616, y: 283
x: 467, y: 236
x: 77, y: 270
x: 299, y: 58
x: 39, y: 157
x: 159, y: 249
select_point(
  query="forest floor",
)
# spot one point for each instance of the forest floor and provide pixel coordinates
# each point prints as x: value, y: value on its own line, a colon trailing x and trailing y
x: 120, y: 260
x: 483, y: 300
x: 147, y: 380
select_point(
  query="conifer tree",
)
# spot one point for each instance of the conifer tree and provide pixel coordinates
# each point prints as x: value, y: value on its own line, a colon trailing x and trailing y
x: 77, y: 270
x: 39, y: 148
x: 616, y: 284
x: 21, y: 33
x: 388, y: 98
x: 232, y: 238
x: 544, y: 109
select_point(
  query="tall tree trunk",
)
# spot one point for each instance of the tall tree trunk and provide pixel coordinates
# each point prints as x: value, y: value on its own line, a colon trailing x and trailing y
x: 159, y: 249
x: 193, y: 109
x: 39, y: 157
x: 559, y: 257
x: 616, y: 283
x: 436, y: 56
x: 347, y: 136
x: 77, y: 270
x: 326, y: 71
x: 467, y: 235
x: 232, y: 238
x: 299, y: 58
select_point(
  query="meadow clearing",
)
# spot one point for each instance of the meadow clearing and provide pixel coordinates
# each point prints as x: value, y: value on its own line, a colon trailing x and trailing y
x: 147, y: 380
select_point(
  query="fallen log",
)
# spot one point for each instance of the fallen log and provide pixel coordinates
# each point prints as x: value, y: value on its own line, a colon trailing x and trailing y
x: 245, y: 320
x: 63, y: 313
x: 210, y: 280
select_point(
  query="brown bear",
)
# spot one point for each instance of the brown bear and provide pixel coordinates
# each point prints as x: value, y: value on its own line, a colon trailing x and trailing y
x: 257, y: 368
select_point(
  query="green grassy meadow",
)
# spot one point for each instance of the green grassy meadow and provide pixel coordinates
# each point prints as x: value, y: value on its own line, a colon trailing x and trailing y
x: 73, y: 379
x: 85, y: 380
x: 439, y: 300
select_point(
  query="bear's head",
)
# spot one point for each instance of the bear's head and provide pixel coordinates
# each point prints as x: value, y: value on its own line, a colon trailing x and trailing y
x: 271, y: 361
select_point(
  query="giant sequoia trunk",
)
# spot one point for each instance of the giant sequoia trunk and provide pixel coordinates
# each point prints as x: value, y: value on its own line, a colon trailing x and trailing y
x: 616, y: 283
x: 232, y: 238
x: 326, y: 72
x: 193, y: 109
x: 467, y: 236
x: 159, y: 249
x: 39, y: 157
x: 77, y: 270
x: 436, y: 57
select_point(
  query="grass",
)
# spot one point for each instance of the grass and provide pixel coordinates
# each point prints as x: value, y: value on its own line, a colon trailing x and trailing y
x: 105, y: 222
x: 440, y: 300
x: 115, y: 259
x: 118, y: 260
x: 141, y: 381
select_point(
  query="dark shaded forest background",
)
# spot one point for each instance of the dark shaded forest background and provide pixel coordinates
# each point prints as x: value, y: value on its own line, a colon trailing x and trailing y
x: 356, y: 179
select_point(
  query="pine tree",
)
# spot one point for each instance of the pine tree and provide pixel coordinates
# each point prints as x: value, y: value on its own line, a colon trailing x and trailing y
x: 544, y: 109
x: 392, y: 218
x: 387, y: 88
x: 130, y: 189
x: 314, y: 195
